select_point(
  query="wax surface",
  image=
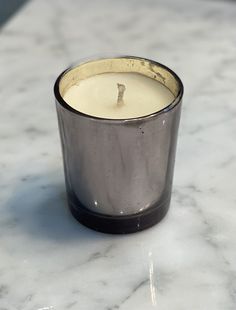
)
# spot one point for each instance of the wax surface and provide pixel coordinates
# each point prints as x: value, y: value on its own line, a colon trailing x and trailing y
x: 97, y: 96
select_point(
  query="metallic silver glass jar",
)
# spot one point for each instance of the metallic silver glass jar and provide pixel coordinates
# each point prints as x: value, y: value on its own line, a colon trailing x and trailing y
x: 119, y: 172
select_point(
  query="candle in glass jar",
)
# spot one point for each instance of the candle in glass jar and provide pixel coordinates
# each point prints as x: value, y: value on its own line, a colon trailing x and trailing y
x: 118, y: 95
x: 118, y: 120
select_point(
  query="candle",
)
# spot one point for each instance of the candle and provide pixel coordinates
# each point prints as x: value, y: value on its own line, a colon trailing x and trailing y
x: 118, y: 152
x: 118, y: 95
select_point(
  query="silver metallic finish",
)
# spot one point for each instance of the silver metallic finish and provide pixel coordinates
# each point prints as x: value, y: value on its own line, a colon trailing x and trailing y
x: 119, y: 167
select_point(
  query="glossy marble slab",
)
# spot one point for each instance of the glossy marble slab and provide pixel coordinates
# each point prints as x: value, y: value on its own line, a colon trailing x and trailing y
x: 47, y: 260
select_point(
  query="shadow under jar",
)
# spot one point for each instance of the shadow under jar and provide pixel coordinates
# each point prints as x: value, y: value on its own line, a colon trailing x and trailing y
x: 118, y: 172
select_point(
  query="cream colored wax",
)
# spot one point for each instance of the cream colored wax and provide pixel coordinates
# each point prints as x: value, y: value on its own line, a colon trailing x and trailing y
x: 118, y: 95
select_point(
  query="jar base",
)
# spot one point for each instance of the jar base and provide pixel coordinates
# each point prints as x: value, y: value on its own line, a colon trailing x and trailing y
x: 120, y: 224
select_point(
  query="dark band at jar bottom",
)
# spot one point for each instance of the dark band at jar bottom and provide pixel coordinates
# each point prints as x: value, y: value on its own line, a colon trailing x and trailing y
x: 119, y: 224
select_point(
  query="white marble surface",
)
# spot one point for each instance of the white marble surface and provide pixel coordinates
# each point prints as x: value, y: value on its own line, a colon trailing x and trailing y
x: 50, y: 262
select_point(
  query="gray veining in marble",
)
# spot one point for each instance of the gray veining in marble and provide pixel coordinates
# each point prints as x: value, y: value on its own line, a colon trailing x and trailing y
x: 47, y: 260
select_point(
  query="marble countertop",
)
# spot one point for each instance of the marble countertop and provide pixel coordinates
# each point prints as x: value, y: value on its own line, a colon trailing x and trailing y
x: 50, y: 262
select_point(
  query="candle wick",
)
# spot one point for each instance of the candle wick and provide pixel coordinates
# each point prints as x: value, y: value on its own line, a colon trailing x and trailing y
x: 121, y: 90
